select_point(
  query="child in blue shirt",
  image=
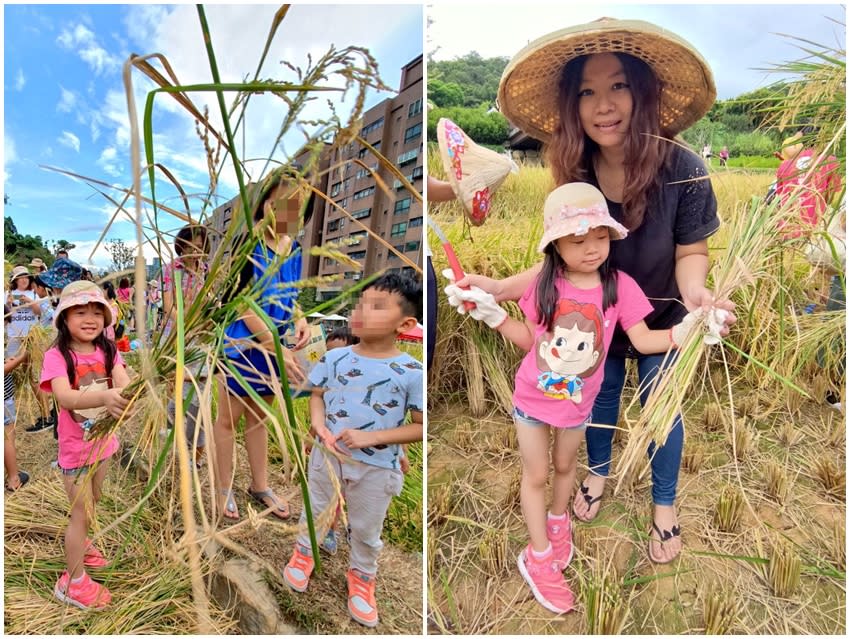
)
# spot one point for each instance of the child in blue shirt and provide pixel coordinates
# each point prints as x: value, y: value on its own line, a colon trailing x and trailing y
x: 361, y: 397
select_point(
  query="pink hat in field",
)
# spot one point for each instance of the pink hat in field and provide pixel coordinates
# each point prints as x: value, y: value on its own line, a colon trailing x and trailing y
x: 80, y: 293
x: 574, y: 209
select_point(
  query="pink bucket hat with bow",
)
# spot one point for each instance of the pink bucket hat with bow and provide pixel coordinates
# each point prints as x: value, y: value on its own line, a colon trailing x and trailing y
x: 574, y: 209
x: 80, y: 293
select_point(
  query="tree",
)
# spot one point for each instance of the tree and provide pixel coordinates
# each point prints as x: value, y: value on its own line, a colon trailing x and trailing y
x: 482, y: 126
x: 21, y: 249
x: 64, y: 245
x: 123, y: 256
x: 445, y: 94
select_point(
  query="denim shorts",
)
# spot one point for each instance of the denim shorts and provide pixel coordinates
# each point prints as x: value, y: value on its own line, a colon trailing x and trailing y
x: 9, y: 412
x: 527, y: 420
x: 75, y: 472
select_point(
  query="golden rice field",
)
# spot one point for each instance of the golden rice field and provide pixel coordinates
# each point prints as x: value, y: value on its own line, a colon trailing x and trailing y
x: 761, y: 490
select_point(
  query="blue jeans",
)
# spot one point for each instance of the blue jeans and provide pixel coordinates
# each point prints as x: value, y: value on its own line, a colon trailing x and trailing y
x: 666, y: 460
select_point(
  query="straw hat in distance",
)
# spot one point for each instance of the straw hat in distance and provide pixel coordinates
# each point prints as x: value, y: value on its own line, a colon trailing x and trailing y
x: 19, y: 271
x: 474, y: 171
x: 528, y: 90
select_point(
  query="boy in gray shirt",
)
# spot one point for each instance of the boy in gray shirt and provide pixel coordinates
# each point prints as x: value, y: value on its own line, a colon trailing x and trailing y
x: 361, y: 397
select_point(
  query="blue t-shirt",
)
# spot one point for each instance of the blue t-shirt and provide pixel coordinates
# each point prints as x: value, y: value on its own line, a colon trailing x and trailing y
x: 365, y: 393
x: 277, y: 294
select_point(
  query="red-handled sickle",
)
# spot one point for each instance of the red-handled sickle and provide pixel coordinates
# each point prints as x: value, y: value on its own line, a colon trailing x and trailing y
x: 457, y: 271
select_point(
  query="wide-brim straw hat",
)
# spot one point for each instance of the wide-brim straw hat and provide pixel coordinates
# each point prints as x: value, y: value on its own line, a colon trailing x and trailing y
x: 79, y: 293
x: 474, y: 171
x: 19, y: 271
x: 574, y: 209
x: 37, y: 262
x: 528, y: 90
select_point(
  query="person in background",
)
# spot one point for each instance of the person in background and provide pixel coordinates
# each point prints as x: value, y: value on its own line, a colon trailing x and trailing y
x: 15, y: 477
x: 190, y: 245
x: 724, y: 156
x: 26, y: 307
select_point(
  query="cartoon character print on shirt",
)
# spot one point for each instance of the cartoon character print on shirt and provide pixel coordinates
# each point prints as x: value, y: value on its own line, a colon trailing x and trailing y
x: 90, y: 377
x: 572, y: 351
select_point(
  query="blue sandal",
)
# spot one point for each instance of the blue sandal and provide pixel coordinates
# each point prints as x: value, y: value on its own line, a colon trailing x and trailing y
x: 230, y: 504
x: 279, y: 509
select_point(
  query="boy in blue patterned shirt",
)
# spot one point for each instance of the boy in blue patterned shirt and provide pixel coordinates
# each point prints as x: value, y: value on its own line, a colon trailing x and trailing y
x: 361, y: 397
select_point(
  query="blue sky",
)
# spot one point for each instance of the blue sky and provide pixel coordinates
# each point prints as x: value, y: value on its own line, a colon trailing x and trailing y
x: 735, y: 39
x: 65, y: 105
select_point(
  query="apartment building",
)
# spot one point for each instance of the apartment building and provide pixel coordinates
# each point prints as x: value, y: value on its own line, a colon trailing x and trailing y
x: 394, y: 128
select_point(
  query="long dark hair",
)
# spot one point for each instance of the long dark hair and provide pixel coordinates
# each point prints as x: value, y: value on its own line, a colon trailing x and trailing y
x: 570, y: 153
x: 547, y: 293
x: 63, y: 343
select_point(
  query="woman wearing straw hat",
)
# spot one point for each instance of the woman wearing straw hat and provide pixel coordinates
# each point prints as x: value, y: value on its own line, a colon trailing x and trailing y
x: 607, y: 98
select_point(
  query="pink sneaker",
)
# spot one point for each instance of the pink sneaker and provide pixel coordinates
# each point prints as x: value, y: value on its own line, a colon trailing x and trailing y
x: 560, y: 534
x: 93, y: 557
x: 546, y: 581
x: 86, y: 594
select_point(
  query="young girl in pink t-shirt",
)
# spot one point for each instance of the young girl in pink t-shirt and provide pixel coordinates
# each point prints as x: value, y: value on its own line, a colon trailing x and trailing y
x: 86, y: 374
x: 571, y: 311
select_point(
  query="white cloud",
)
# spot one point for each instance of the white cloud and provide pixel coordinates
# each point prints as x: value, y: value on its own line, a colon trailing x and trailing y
x: 238, y: 34
x: 70, y: 140
x: 83, y: 41
x: 107, y: 161
x: 10, y: 156
x: 67, y: 100
x: 20, y: 80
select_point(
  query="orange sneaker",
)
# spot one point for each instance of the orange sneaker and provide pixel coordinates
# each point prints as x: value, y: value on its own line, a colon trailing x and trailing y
x: 298, y: 570
x: 361, y: 598
x: 86, y: 594
x: 93, y: 557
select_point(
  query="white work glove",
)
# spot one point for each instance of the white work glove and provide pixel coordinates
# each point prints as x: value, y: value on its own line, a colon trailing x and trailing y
x: 454, y: 300
x: 708, y: 323
x: 486, y: 309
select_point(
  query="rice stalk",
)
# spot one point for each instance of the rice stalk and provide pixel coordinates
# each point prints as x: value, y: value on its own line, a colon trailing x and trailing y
x: 752, y: 249
x: 790, y: 434
x: 742, y: 441
x: 494, y: 551
x: 838, y: 544
x: 728, y: 510
x: 694, y: 457
x: 606, y: 607
x: 721, y: 609
x: 776, y: 481
x: 832, y: 478
x: 836, y: 433
x: 783, y: 570
x: 713, y: 418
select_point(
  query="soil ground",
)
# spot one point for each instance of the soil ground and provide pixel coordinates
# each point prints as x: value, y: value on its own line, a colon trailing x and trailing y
x: 476, y: 531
